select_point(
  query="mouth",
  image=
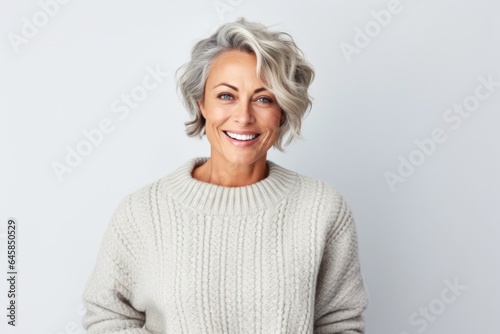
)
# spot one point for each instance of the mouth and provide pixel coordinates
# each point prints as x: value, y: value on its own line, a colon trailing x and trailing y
x: 241, y: 137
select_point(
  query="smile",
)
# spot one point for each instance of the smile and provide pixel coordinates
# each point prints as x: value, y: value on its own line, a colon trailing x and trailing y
x: 241, y: 137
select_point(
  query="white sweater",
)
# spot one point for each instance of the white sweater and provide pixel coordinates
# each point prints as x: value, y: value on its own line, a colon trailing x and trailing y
x: 185, y: 256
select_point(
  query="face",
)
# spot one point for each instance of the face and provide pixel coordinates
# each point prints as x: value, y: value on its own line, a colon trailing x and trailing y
x: 242, y: 117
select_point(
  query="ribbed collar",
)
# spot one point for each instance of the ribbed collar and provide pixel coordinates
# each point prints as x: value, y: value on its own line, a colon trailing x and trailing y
x: 214, y: 199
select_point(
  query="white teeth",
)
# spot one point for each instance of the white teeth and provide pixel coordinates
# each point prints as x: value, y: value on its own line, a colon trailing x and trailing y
x: 241, y: 137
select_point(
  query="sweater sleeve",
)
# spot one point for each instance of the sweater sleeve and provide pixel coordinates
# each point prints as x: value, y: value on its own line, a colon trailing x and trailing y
x: 109, y: 291
x: 341, y: 296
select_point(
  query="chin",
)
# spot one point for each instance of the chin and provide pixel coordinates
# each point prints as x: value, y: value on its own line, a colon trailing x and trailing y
x: 243, y: 158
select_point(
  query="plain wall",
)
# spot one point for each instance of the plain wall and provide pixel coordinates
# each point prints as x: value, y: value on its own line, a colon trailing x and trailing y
x: 385, y: 129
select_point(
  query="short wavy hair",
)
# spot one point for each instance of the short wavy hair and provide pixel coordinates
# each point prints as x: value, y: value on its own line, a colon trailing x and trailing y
x: 279, y: 61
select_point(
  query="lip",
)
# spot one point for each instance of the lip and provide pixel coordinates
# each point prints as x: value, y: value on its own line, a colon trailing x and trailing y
x: 241, y: 143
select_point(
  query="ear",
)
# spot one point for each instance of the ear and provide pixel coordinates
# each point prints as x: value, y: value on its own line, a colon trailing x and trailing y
x: 282, y: 117
x: 201, y: 105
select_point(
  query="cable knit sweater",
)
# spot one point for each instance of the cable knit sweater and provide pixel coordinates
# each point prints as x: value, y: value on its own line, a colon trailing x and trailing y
x: 185, y: 256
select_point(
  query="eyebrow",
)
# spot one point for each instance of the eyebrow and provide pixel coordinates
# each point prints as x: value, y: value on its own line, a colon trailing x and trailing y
x: 258, y: 90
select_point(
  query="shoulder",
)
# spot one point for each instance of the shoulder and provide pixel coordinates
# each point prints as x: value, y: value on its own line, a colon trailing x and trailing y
x: 139, y: 198
x: 318, y: 190
x: 323, y: 201
x: 134, y: 210
x: 131, y: 223
x: 309, y: 187
x: 325, y: 195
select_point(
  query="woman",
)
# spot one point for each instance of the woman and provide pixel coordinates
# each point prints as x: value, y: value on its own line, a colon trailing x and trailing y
x: 233, y: 243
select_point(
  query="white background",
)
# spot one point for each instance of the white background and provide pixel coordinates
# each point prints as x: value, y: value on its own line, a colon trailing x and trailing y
x: 369, y: 108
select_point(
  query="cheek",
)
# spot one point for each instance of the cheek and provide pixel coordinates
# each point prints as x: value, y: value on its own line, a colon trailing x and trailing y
x: 273, y: 121
x: 210, y: 116
x: 216, y: 113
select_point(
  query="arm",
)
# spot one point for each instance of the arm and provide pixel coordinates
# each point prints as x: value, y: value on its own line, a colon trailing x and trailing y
x: 111, y: 286
x: 341, y: 297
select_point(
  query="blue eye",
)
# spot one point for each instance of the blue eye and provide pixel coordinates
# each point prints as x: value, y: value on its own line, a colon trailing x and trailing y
x: 224, y: 96
x: 264, y: 99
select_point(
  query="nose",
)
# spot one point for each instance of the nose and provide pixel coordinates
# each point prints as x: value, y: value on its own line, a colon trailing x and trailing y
x: 243, y: 114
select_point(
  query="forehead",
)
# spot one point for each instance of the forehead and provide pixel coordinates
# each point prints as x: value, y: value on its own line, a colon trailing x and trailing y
x: 234, y: 65
x: 235, y: 57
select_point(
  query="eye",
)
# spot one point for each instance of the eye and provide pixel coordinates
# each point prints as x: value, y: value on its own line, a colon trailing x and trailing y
x: 264, y: 99
x: 225, y: 96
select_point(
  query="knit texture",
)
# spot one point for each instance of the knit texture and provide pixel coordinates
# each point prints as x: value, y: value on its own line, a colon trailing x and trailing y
x: 185, y: 256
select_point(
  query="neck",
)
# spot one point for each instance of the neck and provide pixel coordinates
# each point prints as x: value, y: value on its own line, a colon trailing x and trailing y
x: 225, y: 174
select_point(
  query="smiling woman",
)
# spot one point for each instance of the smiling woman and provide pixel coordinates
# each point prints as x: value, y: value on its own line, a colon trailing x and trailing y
x: 233, y: 242
x: 242, y: 121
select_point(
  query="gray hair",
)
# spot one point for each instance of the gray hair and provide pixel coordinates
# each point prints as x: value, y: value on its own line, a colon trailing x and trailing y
x: 279, y: 61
